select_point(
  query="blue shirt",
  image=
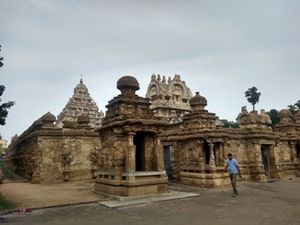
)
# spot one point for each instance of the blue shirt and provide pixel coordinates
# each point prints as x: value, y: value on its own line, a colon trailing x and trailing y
x: 232, y: 166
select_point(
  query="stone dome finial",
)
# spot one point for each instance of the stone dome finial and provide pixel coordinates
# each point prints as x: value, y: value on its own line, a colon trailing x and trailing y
x: 297, y: 117
x: 48, y: 118
x: 198, y: 102
x: 128, y: 85
x: 285, y: 116
x: 285, y: 113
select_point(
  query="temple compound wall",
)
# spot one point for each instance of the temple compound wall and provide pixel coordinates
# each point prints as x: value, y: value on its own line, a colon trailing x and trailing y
x: 46, y: 153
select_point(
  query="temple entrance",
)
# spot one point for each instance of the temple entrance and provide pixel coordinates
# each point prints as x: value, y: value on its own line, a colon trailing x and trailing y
x: 298, y: 151
x: 206, y: 152
x: 268, y: 160
x: 167, y: 161
x: 139, y: 142
x: 265, y: 158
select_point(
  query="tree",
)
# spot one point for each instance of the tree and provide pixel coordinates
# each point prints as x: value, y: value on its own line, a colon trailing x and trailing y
x: 273, y: 113
x: 5, y: 106
x: 1, y: 59
x: 252, y: 96
x: 295, y: 107
x: 292, y: 108
x: 297, y: 104
x: 229, y: 124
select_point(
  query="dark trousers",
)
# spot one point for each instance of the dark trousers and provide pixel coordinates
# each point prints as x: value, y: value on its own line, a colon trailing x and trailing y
x: 233, y: 178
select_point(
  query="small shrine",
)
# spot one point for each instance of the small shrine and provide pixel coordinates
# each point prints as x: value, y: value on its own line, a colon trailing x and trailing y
x: 131, y: 156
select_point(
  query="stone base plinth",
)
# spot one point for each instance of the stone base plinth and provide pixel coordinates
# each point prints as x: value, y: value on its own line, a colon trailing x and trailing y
x: 203, y: 179
x: 132, y: 184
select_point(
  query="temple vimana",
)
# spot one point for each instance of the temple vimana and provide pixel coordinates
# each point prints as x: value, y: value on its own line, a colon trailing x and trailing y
x: 141, y: 143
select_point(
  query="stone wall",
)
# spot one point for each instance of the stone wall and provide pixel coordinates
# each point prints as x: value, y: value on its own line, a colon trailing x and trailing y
x: 47, y: 154
x: 201, y: 148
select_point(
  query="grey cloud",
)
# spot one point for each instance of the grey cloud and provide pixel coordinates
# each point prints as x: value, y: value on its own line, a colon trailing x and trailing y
x: 220, y: 47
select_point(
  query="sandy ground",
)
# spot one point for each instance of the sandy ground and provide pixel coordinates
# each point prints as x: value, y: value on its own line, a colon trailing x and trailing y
x: 30, y: 195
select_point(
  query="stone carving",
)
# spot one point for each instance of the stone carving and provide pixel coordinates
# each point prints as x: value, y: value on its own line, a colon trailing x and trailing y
x: 94, y: 158
x: 66, y: 159
x: 118, y: 155
x: 253, y: 119
x: 130, y: 159
x: 169, y: 100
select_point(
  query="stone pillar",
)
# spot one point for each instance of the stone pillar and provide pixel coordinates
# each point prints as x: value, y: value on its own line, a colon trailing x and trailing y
x: 212, y: 161
x: 159, y: 155
x: 222, y: 154
x: 273, y: 166
x: 293, y: 152
x: 130, y: 155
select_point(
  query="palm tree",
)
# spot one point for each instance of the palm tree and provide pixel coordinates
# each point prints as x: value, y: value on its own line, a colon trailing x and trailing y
x: 252, y: 96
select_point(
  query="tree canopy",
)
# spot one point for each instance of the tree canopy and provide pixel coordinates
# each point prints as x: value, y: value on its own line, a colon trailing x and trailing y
x: 273, y: 113
x: 4, y: 106
x: 252, y: 96
x: 1, y: 59
x: 229, y: 124
x: 295, y: 107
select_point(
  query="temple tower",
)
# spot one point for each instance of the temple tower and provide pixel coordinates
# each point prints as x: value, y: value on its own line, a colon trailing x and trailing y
x: 169, y: 98
x: 81, y: 103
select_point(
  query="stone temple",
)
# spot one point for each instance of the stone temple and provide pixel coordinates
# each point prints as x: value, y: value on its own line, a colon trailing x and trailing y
x: 144, y: 142
x: 131, y: 157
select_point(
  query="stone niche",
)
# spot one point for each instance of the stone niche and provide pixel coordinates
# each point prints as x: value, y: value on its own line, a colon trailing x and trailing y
x: 131, y: 157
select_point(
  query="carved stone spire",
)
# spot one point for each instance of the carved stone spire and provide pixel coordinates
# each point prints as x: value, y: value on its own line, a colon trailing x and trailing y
x: 81, y: 103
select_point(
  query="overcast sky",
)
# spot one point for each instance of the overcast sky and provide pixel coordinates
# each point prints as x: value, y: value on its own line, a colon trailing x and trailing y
x: 220, y: 48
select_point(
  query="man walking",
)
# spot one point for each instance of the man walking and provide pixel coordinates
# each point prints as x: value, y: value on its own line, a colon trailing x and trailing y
x: 233, y: 170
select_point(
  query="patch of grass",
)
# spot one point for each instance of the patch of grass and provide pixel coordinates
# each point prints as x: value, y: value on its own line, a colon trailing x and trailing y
x: 5, y: 204
x: 8, y: 170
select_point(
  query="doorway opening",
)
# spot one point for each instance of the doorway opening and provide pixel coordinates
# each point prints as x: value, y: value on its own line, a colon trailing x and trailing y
x: 298, y: 151
x: 139, y: 142
x: 206, y: 152
x: 265, y: 159
x: 168, y: 161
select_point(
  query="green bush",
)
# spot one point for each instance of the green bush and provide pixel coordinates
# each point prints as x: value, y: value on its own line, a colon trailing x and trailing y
x: 8, y: 170
x: 5, y: 204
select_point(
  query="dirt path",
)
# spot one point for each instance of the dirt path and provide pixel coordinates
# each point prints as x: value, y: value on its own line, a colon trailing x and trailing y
x: 30, y: 195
